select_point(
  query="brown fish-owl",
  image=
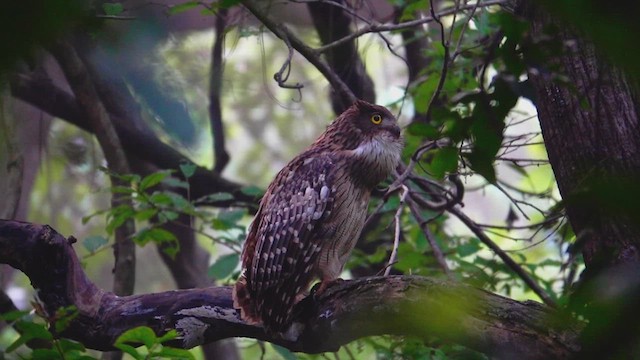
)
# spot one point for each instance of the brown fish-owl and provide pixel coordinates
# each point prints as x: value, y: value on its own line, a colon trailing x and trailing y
x: 312, y: 213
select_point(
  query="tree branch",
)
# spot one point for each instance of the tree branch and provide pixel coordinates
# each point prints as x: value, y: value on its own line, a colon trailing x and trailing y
x: 13, y: 162
x: 311, y: 55
x: 42, y: 93
x: 401, y: 26
x: 398, y: 305
x: 124, y: 269
x: 503, y: 256
x: 215, y: 92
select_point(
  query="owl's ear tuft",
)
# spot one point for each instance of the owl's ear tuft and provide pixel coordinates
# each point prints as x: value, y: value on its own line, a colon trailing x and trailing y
x: 362, y: 105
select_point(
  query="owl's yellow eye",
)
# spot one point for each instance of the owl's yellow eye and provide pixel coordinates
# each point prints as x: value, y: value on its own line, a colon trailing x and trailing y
x: 376, y: 118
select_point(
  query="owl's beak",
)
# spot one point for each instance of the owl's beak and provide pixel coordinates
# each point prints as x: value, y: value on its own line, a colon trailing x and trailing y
x: 394, y: 130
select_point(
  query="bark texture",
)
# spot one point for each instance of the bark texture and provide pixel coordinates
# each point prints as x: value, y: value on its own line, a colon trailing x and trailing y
x: 590, y: 126
x: 400, y: 305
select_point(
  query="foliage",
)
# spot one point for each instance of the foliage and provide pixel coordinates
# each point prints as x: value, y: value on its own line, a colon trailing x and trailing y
x: 41, y: 338
x: 154, y: 348
x: 156, y: 207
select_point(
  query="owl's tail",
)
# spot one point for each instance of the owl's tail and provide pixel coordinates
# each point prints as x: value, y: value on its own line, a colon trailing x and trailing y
x: 242, y: 301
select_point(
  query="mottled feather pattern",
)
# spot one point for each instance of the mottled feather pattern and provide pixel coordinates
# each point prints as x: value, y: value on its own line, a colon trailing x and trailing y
x: 312, y: 213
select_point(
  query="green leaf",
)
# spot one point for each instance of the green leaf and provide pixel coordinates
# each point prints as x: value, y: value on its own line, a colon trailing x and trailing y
x: 252, y: 191
x: 152, y: 180
x: 232, y: 216
x: 179, y: 8
x: 173, y: 353
x: 145, y: 214
x: 224, y: 266
x: 16, y: 344
x: 284, y: 352
x: 188, y: 169
x: 29, y: 331
x: 119, y: 215
x: 467, y: 249
x: 444, y: 161
x: 168, y: 216
x: 67, y: 345
x: 13, y: 315
x: 424, y: 93
x: 180, y: 202
x: 156, y: 235
x: 64, y: 316
x: 93, y: 243
x: 131, y: 351
x: 222, y: 196
x: 173, y: 182
x: 45, y: 354
x: 160, y: 198
x: 411, y: 8
x: 85, y: 219
x: 139, y: 335
x: 112, y: 9
x: 425, y: 130
x: 227, y: 219
x: 169, y: 335
x: 483, y: 165
x: 225, y: 4
x: 122, y: 190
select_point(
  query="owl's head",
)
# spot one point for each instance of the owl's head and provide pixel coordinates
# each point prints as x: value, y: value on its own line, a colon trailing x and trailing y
x: 372, y: 120
x: 369, y: 135
x: 362, y: 122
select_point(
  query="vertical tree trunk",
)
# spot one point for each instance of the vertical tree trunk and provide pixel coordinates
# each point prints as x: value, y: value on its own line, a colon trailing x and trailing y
x: 591, y: 131
x: 590, y: 126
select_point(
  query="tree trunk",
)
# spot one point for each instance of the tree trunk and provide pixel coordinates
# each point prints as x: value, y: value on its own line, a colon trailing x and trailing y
x: 590, y: 127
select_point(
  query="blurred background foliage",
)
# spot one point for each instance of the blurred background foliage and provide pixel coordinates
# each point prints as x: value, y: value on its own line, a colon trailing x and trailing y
x: 510, y: 192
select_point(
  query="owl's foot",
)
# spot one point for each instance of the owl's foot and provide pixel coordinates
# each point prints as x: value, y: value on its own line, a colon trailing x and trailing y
x: 319, y: 288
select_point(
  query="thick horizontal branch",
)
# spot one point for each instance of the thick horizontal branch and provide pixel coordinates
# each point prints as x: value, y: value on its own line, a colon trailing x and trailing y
x: 397, y: 305
x: 42, y: 93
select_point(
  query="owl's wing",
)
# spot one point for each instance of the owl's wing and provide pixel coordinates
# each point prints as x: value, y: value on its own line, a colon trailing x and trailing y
x: 288, y: 235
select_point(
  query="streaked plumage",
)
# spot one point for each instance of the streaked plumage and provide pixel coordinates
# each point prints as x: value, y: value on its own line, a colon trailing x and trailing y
x: 312, y: 213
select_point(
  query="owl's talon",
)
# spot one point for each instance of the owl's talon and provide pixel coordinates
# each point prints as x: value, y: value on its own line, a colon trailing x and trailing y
x: 319, y: 288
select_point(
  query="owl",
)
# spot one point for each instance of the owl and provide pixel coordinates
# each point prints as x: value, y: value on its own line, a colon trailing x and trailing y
x: 312, y: 214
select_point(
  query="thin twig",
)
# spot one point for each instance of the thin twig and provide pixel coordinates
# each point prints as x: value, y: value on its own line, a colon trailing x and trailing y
x: 437, y: 252
x: 405, y: 25
x: 116, y: 17
x: 523, y: 227
x: 528, y: 280
x: 545, y: 238
x: 516, y: 160
x: 445, y: 62
x: 396, y: 237
x: 456, y: 52
x: 513, y: 201
x: 281, y: 31
x: 282, y: 75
